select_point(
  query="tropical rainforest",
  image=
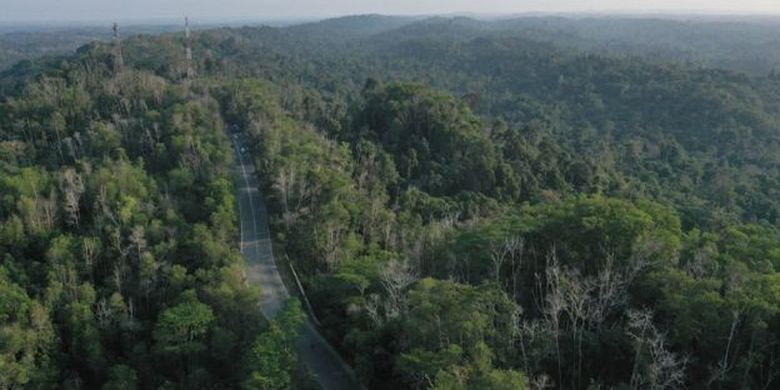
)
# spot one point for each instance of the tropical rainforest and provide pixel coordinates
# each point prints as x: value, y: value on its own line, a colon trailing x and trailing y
x: 526, y: 203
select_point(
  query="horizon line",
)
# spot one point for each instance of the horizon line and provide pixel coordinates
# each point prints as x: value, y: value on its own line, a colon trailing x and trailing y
x: 158, y: 20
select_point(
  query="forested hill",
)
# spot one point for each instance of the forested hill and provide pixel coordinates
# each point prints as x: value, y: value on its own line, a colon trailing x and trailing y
x: 744, y: 44
x: 701, y: 138
x: 29, y: 42
x: 119, y: 258
x: 469, y: 204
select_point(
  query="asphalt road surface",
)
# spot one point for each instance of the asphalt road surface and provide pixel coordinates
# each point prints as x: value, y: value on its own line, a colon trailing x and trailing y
x: 316, y: 354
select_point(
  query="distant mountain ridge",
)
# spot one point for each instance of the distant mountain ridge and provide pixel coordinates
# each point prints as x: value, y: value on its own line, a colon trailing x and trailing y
x: 749, y: 45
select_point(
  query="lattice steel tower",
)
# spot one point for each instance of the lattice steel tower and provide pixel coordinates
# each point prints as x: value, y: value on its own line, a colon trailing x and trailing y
x: 119, y: 61
x: 188, y: 47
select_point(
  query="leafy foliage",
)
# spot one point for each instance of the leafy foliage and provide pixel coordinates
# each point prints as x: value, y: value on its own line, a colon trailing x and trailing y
x: 467, y: 206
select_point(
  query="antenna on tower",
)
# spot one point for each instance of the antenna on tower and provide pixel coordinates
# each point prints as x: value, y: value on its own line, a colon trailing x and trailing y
x: 188, y: 48
x: 119, y: 61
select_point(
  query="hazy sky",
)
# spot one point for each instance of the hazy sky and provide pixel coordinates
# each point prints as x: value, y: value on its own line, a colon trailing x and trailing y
x: 49, y: 10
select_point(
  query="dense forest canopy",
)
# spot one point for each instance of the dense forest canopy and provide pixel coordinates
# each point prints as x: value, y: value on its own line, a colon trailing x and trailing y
x: 520, y: 203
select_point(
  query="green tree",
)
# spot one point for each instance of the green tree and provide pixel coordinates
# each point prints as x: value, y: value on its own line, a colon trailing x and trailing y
x: 273, y: 360
x: 121, y: 377
x: 26, y: 338
x: 182, y: 331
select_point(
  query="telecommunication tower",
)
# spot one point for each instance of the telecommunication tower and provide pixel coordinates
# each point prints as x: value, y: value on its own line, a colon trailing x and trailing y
x: 119, y: 61
x: 188, y: 47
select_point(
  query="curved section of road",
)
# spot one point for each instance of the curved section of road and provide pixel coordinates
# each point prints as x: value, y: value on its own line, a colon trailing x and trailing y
x: 316, y: 354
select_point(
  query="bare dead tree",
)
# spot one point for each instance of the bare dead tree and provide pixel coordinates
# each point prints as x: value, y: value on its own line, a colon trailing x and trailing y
x: 375, y: 217
x: 118, y: 274
x: 284, y: 184
x: 655, y: 367
x: 644, y: 255
x: 701, y: 264
x: 498, y: 256
x: 553, y: 304
x: 49, y: 209
x: 395, y: 278
x: 372, y: 307
x: 573, y: 304
x: 295, y: 191
x: 102, y: 204
x: 509, y: 249
x: 540, y: 382
x: 609, y: 289
x: 90, y: 249
x: 527, y: 334
x: 516, y: 246
x: 413, y: 247
x: 57, y: 123
x: 138, y: 241
x: 103, y: 312
x: 576, y: 294
x: 723, y: 367
x: 72, y: 187
x: 329, y: 240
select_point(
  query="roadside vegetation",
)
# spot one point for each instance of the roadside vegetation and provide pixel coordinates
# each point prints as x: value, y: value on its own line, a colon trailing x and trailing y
x: 467, y: 208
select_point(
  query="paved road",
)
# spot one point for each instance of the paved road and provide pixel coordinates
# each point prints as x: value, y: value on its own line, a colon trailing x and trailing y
x: 319, y: 357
